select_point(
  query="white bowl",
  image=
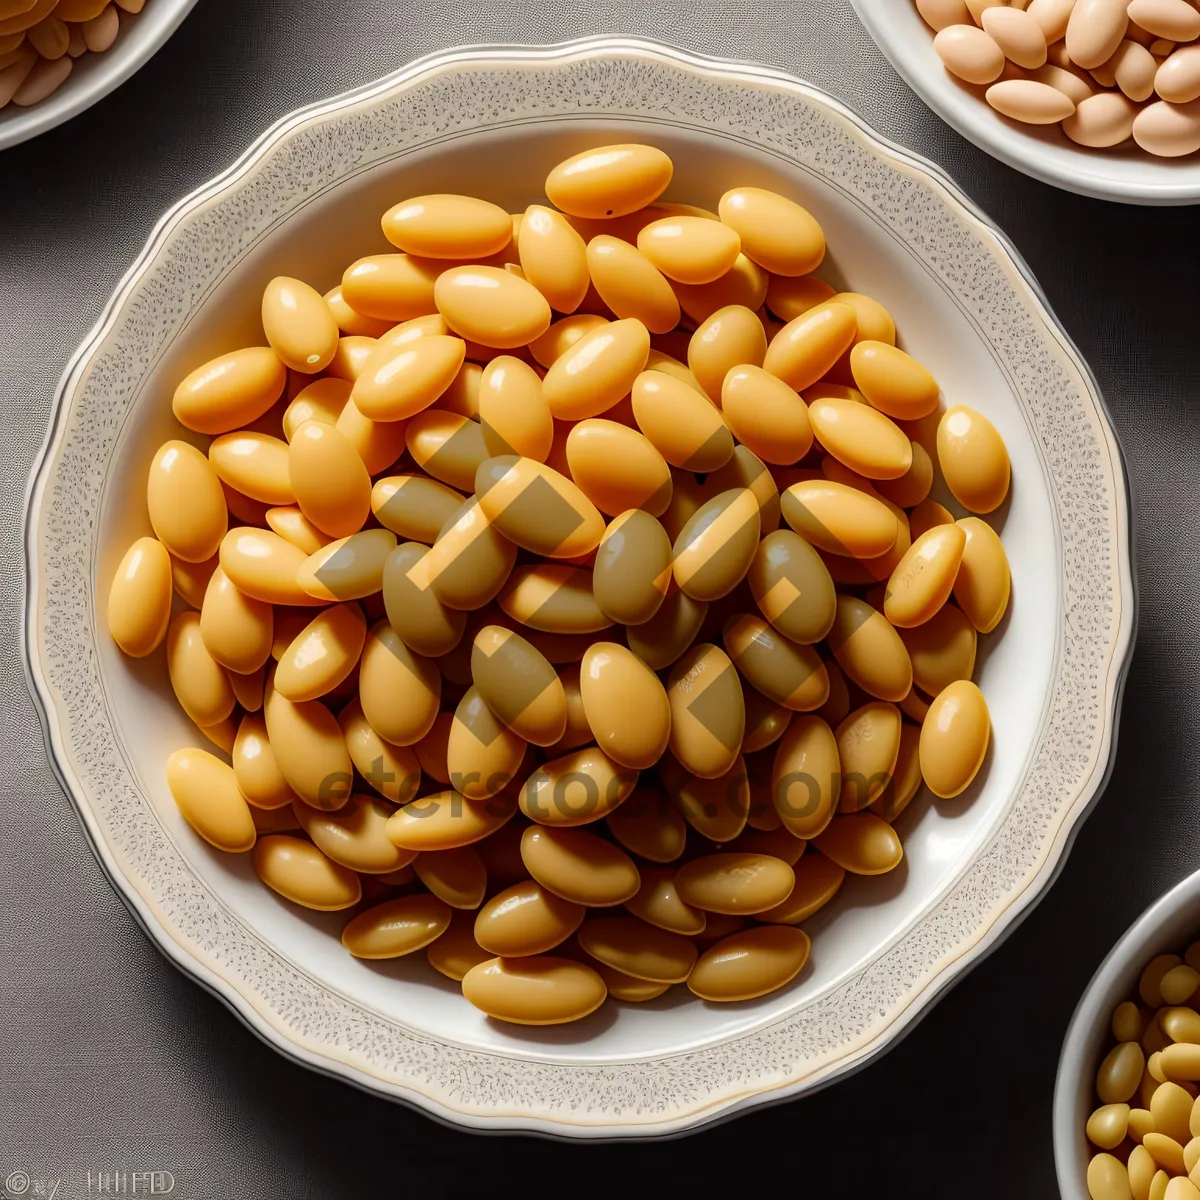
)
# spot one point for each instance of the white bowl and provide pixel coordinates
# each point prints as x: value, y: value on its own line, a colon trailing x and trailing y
x: 1125, y: 173
x: 306, y: 200
x: 95, y: 75
x: 1168, y: 925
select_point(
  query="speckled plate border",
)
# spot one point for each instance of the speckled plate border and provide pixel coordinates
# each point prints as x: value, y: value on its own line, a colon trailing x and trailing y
x: 840, y: 1029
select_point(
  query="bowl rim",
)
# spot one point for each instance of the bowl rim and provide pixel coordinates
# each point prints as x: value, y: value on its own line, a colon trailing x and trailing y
x: 1059, y: 166
x: 1127, y: 956
x: 120, y: 63
x: 1017, y: 902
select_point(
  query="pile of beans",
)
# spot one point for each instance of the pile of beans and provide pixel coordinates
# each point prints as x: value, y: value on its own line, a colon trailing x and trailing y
x: 41, y: 39
x: 580, y: 560
x: 1146, y: 1132
x: 1106, y: 70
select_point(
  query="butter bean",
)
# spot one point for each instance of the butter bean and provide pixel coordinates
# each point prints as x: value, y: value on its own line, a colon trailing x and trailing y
x: 237, y: 630
x: 447, y: 226
x: 805, y: 776
x: 618, y: 468
x: 924, y: 578
x: 868, y: 743
x: 941, y: 650
x: 806, y: 348
x: 1167, y: 1152
x: 322, y: 400
x: 579, y: 866
x: 259, y: 778
x: 1170, y: 1109
x: 745, y: 283
x: 937, y: 14
x: 534, y: 991
x: 766, y: 415
x: 293, y: 526
x: 513, y: 413
x: 347, y: 569
x: 611, y: 181
x: 1107, y: 1178
x: 309, y: 749
x: 470, y: 561
x: 199, y: 682
x: 1177, y: 79
x: 862, y: 843
x: 1181, y: 1061
x: 1142, y: 1169
x: 969, y: 53
x: 707, y: 711
x: 648, y: 825
x: 391, y: 287
x: 562, y: 521
x: 716, y: 546
x: 638, y: 949
x: 444, y: 821
x: 1029, y: 101
x: 1179, y: 983
x: 396, y: 927
x: 351, y: 322
x: 206, y: 791
x: 869, y: 650
x: 298, y: 323
x: 519, y: 685
x: 625, y: 705
x: 981, y: 588
x: 576, y: 789
x: 229, y: 391
x: 839, y: 519
x: 1094, y: 31
x: 483, y: 755
x: 740, y: 884
x: 299, y: 872
x: 414, y: 507
x: 139, y: 598
x: 789, y: 674
x: 750, y: 963
x: 491, y: 306
x: 455, y: 951
x: 817, y: 881
x: 776, y: 232
x: 1120, y: 1073
x: 526, y: 919
x: 597, y: 371
x: 1168, y: 130
x: 630, y: 285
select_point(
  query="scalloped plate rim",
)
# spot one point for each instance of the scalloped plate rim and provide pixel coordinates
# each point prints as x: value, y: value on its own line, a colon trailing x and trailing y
x: 726, y: 1107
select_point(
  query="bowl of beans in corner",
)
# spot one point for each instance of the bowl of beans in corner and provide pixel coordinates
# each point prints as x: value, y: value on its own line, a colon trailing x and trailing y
x: 1126, y: 1116
x: 58, y: 57
x: 547, y: 621
x: 1100, y: 97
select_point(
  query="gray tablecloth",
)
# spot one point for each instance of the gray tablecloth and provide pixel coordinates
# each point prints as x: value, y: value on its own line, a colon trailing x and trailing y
x: 111, y: 1061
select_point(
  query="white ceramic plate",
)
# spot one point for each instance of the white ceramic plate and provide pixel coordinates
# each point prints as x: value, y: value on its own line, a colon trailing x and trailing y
x: 1167, y: 926
x: 306, y: 200
x: 1125, y: 173
x: 95, y: 75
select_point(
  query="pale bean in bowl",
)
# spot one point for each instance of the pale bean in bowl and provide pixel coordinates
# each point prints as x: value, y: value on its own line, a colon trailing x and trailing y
x: 963, y: 306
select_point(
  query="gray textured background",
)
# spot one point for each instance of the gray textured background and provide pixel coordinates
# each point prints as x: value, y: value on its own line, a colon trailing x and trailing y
x: 110, y: 1059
